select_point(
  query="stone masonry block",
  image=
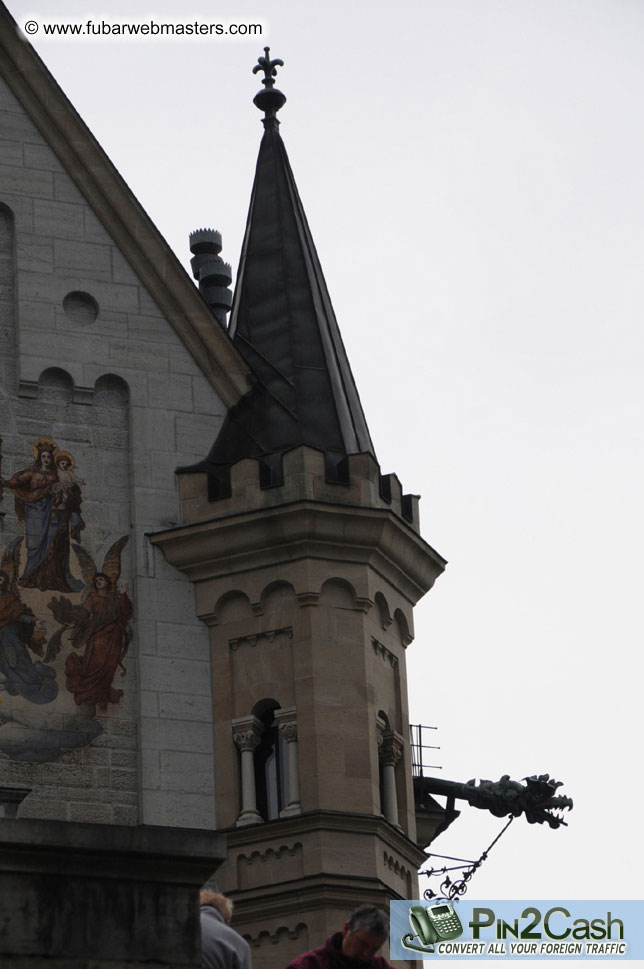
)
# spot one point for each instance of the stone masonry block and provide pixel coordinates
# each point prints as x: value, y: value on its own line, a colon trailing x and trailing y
x: 206, y: 400
x: 41, y: 156
x: 122, y: 272
x: 66, y: 774
x: 35, y: 313
x: 184, y: 707
x: 149, y: 426
x: 84, y: 258
x: 121, y: 797
x: 94, y: 757
x: 163, y: 466
x: 170, y: 392
x: 146, y: 634
x: 176, y: 735
x: 157, y: 509
x: 45, y: 287
x: 11, y: 152
x: 17, y: 774
x: 173, y: 761
x: 121, y: 728
x: 113, y: 297
x: 94, y: 230
x: 150, y: 769
x: 8, y: 100
x: 101, y: 777
x: 147, y: 306
x: 115, y: 743
x: 35, y: 807
x: 18, y: 126
x: 126, y: 814
x: 150, y: 328
x: 167, y: 600
x: 181, y: 361
x: 196, y: 782
x: 15, y: 180
x: 175, y: 675
x: 22, y: 208
x: 125, y: 758
x: 64, y: 188
x: 149, y: 703
x: 36, y: 257
x: 140, y: 356
x: 123, y: 780
x: 60, y: 220
x: 92, y: 813
x: 173, y: 641
x: 87, y: 794
x: 180, y: 809
x: 196, y: 434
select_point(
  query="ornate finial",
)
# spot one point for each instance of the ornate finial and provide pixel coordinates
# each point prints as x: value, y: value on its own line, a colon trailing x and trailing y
x: 270, y: 100
x: 268, y: 67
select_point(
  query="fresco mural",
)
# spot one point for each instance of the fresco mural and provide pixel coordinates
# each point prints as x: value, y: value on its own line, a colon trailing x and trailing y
x: 61, y: 656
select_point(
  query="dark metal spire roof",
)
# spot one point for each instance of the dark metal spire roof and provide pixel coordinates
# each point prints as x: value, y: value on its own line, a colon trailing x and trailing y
x: 283, y: 323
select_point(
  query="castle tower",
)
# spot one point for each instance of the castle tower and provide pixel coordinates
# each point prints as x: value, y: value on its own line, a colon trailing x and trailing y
x: 307, y: 563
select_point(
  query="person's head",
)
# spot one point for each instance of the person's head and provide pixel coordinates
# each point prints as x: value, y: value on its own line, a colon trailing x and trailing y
x: 64, y: 461
x: 216, y: 900
x: 46, y: 460
x: 101, y: 582
x: 364, y: 932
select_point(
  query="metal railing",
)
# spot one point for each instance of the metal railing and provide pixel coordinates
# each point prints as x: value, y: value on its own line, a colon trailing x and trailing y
x: 418, y: 734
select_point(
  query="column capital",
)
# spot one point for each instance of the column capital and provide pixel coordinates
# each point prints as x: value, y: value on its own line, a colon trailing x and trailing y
x: 287, y: 723
x: 247, y: 732
x: 390, y: 747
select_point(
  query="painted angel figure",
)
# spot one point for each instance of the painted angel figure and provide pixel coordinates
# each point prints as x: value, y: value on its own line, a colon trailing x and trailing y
x: 19, y: 637
x: 100, y: 625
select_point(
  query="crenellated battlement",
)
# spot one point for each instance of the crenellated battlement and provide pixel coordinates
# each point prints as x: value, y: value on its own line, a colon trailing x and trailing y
x: 301, y: 474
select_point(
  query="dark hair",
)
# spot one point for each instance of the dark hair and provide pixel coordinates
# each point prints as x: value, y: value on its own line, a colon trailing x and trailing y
x: 371, y: 918
x: 5, y: 575
x: 108, y: 581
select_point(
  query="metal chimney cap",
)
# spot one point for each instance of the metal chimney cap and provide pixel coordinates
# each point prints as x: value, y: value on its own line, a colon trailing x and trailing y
x: 205, y: 240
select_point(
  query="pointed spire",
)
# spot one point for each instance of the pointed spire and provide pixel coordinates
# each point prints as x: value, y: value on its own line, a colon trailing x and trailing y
x: 283, y: 323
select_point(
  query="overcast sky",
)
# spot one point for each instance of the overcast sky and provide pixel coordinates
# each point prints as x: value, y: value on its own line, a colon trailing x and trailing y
x: 472, y: 171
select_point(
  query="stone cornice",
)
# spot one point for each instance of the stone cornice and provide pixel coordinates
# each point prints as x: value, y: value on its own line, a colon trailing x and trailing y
x: 120, y: 852
x: 305, y: 529
x: 122, y: 215
x: 302, y: 825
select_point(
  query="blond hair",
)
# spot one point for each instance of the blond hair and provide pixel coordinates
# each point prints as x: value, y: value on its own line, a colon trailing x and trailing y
x: 223, y: 905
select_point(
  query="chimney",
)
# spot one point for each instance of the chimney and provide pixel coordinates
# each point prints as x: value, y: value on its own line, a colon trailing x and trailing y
x: 211, y: 272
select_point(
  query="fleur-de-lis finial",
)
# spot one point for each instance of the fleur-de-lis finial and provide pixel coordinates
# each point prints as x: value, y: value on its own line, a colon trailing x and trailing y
x: 269, y: 67
x: 270, y: 100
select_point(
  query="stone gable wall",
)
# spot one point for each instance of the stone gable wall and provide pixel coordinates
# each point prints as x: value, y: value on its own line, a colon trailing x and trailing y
x: 89, y: 366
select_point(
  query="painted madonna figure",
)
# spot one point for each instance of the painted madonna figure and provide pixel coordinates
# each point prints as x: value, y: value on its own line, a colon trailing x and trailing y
x: 38, y: 502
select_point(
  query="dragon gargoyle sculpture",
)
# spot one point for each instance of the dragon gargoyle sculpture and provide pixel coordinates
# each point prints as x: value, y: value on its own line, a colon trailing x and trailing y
x: 536, y: 799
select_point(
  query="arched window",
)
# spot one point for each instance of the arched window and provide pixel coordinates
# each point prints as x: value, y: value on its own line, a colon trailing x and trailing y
x: 271, y: 763
x: 267, y: 743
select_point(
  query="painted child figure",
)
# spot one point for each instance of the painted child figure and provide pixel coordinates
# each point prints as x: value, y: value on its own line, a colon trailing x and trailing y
x: 67, y: 494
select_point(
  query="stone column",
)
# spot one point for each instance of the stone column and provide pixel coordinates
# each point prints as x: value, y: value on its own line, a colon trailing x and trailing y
x: 390, y: 751
x: 247, y: 732
x: 287, y: 725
